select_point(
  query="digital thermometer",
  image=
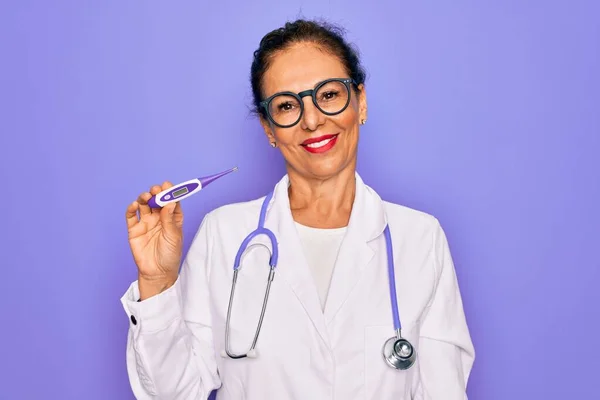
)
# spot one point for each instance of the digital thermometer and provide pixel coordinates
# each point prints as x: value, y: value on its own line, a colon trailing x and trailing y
x: 184, y: 190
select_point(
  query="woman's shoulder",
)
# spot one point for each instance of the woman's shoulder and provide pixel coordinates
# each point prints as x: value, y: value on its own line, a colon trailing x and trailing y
x: 410, y: 220
x: 420, y: 233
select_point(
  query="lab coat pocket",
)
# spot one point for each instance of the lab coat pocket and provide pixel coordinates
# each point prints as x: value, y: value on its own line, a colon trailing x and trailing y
x: 381, y: 380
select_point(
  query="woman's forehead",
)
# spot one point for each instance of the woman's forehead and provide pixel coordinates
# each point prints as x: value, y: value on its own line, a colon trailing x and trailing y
x: 301, y: 67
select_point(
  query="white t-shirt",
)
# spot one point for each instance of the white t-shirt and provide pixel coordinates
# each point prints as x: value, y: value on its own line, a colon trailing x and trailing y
x: 321, y: 247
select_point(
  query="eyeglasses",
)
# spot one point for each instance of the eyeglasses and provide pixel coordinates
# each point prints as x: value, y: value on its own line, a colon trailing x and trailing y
x: 330, y: 96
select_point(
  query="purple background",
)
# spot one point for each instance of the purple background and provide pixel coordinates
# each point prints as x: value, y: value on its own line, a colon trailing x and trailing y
x: 485, y: 115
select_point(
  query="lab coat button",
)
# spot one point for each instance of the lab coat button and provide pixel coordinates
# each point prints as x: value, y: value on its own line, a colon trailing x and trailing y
x: 133, y: 320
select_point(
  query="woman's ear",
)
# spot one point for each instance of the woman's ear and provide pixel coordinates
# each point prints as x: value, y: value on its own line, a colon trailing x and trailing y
x: 362, y: 102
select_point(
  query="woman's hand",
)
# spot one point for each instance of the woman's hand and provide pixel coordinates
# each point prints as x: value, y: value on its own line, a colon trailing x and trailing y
x: 156, y: 241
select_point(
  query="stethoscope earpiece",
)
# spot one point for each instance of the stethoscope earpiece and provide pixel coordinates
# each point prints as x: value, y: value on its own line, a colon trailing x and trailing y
x: 399, y: 353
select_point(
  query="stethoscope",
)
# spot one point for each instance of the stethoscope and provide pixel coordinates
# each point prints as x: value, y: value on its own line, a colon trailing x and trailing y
x: 398, y: 352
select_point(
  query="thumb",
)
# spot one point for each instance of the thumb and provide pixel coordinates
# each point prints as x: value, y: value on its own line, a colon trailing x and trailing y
x: 166, y: 216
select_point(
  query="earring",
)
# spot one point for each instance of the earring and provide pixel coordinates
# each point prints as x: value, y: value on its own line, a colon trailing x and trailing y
x: 362, y: 121
x: 273, y: 144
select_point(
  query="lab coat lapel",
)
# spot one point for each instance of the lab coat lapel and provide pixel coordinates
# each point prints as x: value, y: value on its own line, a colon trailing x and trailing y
x: 292, y: 265
x: 367, y: 222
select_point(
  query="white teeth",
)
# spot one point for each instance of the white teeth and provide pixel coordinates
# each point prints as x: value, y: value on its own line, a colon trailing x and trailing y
x: 319, y: 144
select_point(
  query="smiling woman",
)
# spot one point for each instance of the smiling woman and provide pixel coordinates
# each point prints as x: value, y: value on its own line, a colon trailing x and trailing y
x: 308, y: 87
x: 350, y: 263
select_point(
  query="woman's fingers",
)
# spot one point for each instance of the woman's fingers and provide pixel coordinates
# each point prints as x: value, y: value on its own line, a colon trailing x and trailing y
x: 131, y: 214
x: 177, y: 211
x: 143, y: 203
x: 166, y: 214
x: 135, y: 226
x: 166, y: 185
x: 170, y: 207
x: 154, y: 190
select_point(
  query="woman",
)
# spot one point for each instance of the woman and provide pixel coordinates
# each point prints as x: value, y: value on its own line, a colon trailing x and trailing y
x: 328, y: 313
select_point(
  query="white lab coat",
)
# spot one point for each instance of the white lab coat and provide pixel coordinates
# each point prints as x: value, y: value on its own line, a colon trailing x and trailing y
x: 174, y: 347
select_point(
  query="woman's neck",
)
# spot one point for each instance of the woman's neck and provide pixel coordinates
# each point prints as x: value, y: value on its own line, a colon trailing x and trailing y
x: 322, y: 203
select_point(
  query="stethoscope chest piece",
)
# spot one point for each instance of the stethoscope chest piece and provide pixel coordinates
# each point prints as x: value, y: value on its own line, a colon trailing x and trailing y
x: 399, y: 353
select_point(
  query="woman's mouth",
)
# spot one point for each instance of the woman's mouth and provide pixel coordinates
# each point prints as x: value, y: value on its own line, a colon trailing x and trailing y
x: 320, y: 144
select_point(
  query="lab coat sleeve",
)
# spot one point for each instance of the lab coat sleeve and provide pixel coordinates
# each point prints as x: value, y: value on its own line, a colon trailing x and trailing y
x: 446, y: 350
x: 169, y: 344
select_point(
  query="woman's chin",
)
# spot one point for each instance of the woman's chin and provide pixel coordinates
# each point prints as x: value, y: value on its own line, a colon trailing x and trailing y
x: 327, y: 169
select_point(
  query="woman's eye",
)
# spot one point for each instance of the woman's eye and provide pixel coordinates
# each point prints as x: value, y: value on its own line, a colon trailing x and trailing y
x: 329, y: 95
x: 285, y: 107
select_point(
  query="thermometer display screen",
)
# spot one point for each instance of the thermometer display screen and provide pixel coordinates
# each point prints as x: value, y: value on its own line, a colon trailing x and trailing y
x: 180, y: 192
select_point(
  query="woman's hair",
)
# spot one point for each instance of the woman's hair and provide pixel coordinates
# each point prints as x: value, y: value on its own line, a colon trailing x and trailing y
x: 323, y: 34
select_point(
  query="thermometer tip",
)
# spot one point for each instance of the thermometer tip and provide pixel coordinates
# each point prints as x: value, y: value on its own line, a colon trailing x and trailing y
x: 208, y: 179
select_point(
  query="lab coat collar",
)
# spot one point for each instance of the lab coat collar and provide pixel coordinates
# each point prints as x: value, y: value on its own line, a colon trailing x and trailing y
x: 367, y: 219
x: 367, y: 222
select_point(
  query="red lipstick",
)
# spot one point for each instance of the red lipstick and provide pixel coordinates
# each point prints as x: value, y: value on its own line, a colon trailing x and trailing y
x: 328, y: 141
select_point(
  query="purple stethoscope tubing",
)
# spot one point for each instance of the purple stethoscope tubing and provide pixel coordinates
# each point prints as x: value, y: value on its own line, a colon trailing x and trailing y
x: 397, y: 351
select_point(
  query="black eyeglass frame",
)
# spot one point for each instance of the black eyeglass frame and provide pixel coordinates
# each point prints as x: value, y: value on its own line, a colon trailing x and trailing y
x: 309, y: 92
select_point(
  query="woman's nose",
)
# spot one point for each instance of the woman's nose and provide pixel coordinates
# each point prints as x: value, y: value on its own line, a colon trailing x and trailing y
x: 312, y: 117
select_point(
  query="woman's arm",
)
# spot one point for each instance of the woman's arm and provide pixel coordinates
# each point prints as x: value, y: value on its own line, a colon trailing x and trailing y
x: 169, y: 345
x: 446, y: 351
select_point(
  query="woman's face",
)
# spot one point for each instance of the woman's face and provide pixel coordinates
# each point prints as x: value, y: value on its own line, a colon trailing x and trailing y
x: 297, y: 69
